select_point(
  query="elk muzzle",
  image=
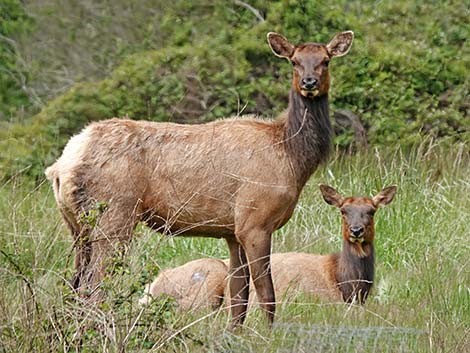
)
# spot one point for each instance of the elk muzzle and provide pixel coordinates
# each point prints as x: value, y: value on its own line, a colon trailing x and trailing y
x: 309, y: 86
x: 356, y: 234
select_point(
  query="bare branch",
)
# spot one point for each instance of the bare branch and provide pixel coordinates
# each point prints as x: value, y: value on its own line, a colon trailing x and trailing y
x: 255, y: 12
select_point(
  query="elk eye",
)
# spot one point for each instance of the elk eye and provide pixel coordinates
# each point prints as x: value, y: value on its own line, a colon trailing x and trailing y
x: 293, y: 63
x: 326, y: 62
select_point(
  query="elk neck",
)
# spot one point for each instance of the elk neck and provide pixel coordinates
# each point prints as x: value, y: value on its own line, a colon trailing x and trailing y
x: 355, y: 270
x: 307, y: 134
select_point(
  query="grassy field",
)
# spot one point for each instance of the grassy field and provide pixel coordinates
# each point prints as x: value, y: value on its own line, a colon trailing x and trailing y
x: 421, y: 301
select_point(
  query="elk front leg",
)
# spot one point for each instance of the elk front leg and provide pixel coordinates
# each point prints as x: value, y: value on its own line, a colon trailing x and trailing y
x: 257, y: 245
x: 239, y: 282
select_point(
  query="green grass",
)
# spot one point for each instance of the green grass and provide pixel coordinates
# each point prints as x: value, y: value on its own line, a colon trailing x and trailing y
x: 421, y: 301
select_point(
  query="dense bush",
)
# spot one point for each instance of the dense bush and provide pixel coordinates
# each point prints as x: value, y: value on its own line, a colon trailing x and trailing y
x: 13, y: 21
x: 406, y: 76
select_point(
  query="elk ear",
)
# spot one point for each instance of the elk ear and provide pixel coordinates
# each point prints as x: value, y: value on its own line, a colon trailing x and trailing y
x: 385, y: 196
x: 331, y: 196
x: 280, y: 45
x: 340, y: 44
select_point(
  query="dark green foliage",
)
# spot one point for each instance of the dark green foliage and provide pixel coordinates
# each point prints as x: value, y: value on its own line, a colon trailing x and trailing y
x: 406, y: 75
x: 13, y: 21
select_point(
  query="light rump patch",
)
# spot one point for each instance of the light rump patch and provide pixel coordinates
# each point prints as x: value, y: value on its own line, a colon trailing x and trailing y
x: 197, y: 284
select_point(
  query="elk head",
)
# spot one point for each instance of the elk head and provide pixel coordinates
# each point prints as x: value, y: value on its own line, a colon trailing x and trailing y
x: 358, y: 212
x: 310, y: 61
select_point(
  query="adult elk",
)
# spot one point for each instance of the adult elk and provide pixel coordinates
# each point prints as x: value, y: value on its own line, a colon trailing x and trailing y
x: 239, y: 179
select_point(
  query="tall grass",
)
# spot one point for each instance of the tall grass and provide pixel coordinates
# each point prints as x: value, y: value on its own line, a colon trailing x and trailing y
x: 421, y: 300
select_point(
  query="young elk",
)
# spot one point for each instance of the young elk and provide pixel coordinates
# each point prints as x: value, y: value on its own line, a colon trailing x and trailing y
x: 347, y: 275
x: 197, y: 284
x: 239, y: 179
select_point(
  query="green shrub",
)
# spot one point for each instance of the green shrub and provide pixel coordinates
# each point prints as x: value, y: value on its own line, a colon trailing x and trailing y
x: 405, y: 76
x: 13, y: 21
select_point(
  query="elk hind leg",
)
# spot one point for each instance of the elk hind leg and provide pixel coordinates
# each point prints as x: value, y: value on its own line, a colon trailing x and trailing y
x: 81, y: 243
x: 108, y: 240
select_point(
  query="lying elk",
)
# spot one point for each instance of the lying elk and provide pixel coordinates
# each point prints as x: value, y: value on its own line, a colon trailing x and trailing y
x: 347, y: 275
x: 239, y: 179
x: 197, y: 284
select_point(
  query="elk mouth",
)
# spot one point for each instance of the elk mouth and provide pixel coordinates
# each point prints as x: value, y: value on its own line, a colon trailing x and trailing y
x: 359, y: 240
x: 309, y: 93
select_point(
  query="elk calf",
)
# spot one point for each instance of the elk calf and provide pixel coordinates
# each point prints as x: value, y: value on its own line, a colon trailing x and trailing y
x: 347, y: 275
x: 195, y: 285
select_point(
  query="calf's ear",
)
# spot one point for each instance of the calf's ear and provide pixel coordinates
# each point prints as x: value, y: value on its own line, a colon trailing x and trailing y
x: 385, y: 196
x: 331, y: 196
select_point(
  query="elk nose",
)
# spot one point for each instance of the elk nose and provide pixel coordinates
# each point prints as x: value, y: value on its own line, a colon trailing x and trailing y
x: 309, y: 83
x: 356, y: 231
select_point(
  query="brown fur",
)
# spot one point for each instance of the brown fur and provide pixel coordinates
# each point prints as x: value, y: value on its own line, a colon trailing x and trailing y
x: 346, y: 276
x: 312, y: 274
x: 236, y: 178
x: 354, y: 266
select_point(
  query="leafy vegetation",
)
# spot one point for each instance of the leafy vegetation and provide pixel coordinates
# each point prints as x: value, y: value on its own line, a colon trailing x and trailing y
x: 405, y: 76
x: 419, y: 303
x: 66, y: 63
x: 13, y: 22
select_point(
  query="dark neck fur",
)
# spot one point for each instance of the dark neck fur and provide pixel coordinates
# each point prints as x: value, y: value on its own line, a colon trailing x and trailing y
x: 355, y: 274
x: 307, y: 134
